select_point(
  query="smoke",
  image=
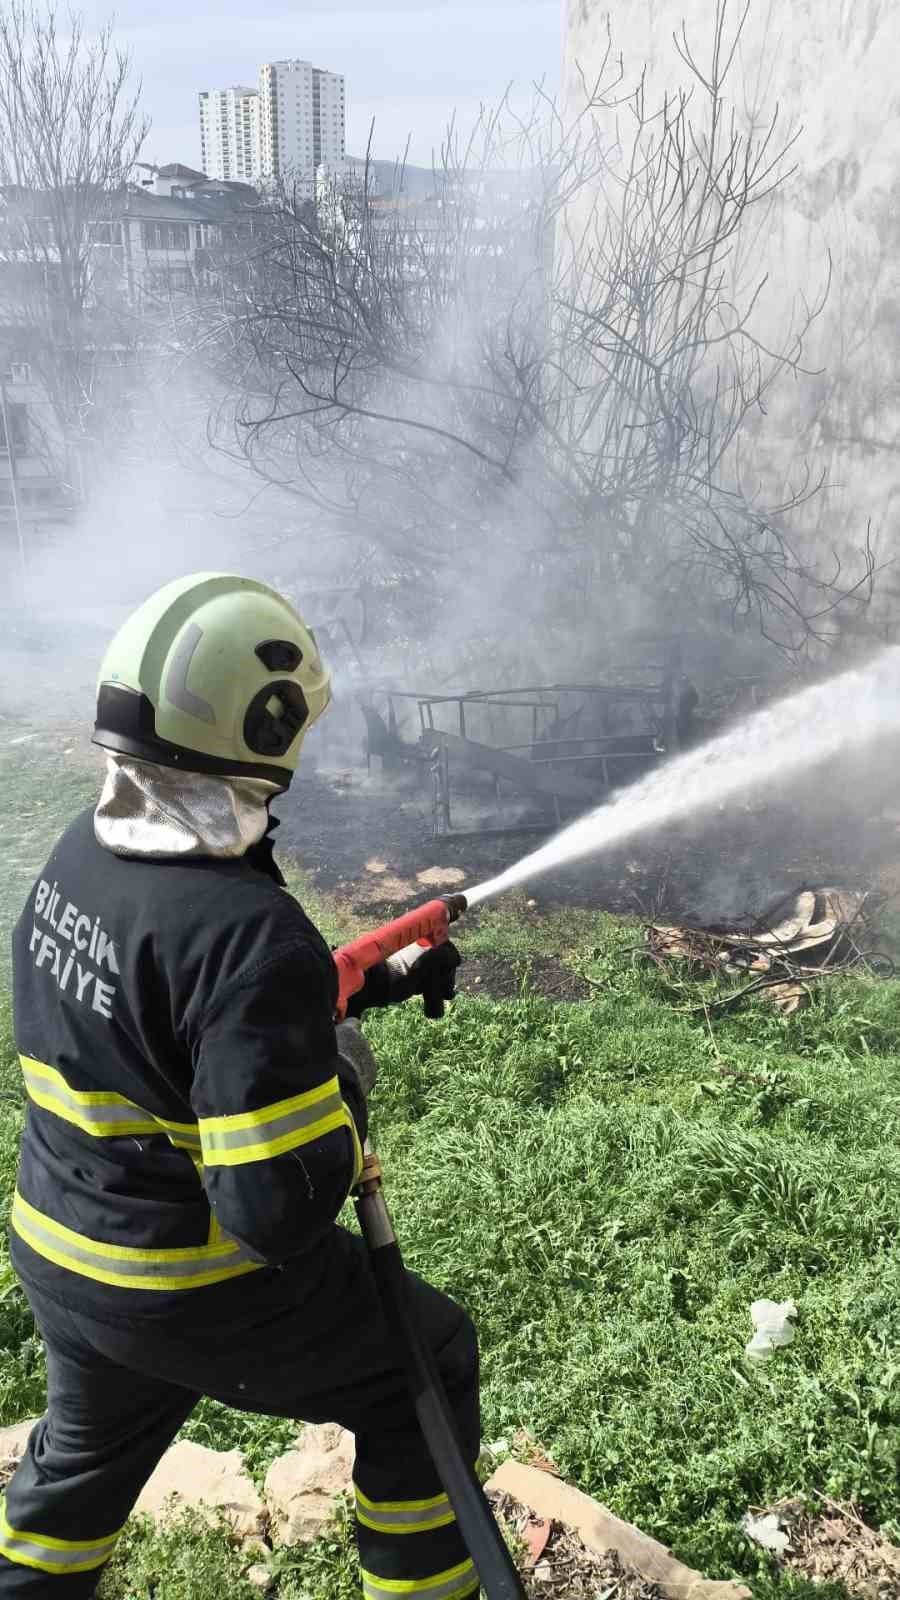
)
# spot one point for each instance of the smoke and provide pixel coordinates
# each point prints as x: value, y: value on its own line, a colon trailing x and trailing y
x: 160, y: 502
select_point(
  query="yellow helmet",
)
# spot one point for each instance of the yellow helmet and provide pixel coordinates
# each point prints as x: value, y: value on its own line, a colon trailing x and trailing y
x: 215, y: 674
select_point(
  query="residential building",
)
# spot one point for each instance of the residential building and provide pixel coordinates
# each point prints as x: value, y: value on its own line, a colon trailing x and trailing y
x: 302, y: 122
x: 229, y: 133
x: 171, y: 179
x: 148, y: 245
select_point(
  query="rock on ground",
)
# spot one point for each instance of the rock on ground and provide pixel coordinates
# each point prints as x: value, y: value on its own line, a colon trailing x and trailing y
x: 12, y: 1446
x: 191, y: 1475
x: 260, y: 1577
x: 301, y: 1485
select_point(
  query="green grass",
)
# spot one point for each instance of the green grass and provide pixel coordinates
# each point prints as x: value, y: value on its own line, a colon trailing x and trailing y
x: 608, y: 1219
x: 42, y: 788
x: 607, y: 1186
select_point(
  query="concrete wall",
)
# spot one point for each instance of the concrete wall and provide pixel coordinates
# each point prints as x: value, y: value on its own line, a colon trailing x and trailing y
x: 834, y: 71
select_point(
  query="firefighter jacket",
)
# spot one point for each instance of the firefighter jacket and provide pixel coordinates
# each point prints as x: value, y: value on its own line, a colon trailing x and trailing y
x: 189, y: 1118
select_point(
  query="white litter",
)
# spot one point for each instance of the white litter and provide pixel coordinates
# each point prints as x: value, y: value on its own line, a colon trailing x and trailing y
x: 766, y: 1531
x: 773, y: 1328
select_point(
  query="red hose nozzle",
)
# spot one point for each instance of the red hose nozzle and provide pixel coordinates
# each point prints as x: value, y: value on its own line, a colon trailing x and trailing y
x: 428, y: 925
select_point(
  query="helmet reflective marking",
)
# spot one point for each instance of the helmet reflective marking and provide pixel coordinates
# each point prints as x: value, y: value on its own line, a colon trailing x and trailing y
x: 176, y: 688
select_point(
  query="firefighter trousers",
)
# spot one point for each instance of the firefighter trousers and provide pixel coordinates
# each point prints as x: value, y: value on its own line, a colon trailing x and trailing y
x: 276, y: 1343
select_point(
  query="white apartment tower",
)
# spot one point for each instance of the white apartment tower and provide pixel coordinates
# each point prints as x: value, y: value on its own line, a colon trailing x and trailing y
x: 229, y: 134
x: 302, y: 119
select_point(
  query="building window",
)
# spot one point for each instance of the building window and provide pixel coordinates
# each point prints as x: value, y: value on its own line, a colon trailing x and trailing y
x: 17, y: 415
x: 165, y: 235
x: 106, y: 232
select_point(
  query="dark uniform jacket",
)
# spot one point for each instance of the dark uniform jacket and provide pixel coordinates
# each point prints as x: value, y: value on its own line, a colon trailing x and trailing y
x: 189, y: 1119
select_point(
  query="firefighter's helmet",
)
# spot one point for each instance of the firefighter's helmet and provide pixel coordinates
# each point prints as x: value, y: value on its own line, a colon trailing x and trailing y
x: 214, y: 674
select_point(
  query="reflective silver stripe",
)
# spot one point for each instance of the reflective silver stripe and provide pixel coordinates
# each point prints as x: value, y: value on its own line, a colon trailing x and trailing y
x: 53, y: 1555
x: 452, y: 1585
x: 416, y: 1517
x: 128, y: 1268
x: 217, y: 1140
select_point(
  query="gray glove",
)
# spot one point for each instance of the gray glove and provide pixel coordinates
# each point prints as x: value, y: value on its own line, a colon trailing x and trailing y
x: 354, y: 1051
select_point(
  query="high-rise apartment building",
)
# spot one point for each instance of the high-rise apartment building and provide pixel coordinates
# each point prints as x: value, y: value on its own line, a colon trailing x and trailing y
x: 302, y: 120
x: 229, y: 134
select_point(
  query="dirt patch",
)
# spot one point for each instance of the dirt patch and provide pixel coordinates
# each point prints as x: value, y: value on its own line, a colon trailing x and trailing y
x: 385, y: 890
x: 497, y: 979
x: 556, y: 1566
x: 832, y: 1544
x: 442, y: 877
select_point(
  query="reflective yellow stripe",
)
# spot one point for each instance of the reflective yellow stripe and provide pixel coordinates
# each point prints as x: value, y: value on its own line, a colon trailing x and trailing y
x: 454, y: 1584
x: 403, y: 1516
x: 59, y: 1556
x: 215, y: 1234
x: 259, y: 1135
x: 101, y: 1113
x: 190, y: 1267
x: 400, y: 1505
x: 184, y: 1135
x: 358, y: 1157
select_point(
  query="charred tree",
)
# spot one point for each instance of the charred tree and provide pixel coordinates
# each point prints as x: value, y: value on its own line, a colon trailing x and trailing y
x: 70, y: 133
x: 544, y: 380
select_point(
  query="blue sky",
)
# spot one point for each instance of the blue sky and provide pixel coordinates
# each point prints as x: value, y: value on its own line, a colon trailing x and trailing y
x: 408, y: 63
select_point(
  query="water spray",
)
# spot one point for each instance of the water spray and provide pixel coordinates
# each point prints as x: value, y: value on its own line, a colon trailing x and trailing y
x: 777, y: 742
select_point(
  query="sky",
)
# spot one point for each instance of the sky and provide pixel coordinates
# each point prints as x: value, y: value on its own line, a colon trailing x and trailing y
x: 409, y: 64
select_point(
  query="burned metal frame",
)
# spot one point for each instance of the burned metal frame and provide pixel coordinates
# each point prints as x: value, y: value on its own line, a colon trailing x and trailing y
x: 555, y: 765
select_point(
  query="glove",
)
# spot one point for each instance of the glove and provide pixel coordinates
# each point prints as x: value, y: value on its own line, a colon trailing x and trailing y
x: 355, y: 1053
x: 428, y: 971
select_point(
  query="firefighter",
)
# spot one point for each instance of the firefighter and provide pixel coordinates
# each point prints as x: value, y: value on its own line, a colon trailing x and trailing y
x: 195, y: 1120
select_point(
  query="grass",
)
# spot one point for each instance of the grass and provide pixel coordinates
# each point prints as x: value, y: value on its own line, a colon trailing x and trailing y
x: 607, y: 1186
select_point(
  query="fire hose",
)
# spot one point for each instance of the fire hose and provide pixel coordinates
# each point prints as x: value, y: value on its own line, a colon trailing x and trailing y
x: 429, y: 926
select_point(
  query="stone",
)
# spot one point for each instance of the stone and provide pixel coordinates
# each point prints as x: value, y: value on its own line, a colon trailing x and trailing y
x: 212, y: 1480
x: 601, y: 1531
x: 301, y: 1485
x: 260, y: 1577
x: 12, y: 1444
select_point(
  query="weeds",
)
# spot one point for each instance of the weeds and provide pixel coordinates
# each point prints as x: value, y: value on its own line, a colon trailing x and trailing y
x: 184, y: 1560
